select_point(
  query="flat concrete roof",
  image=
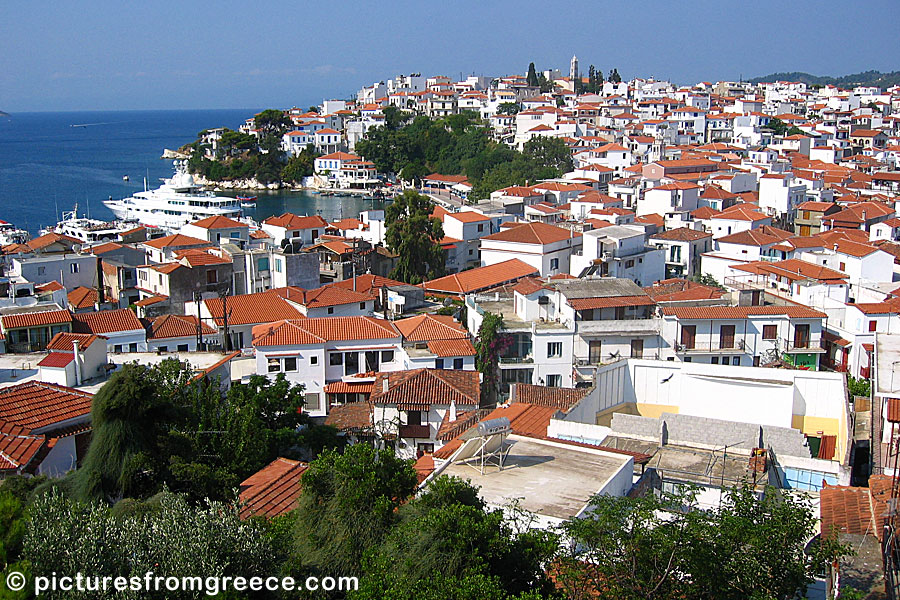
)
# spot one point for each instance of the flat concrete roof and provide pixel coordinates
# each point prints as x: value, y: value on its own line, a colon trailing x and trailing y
x: 550, y: 479
x: 887, y: 362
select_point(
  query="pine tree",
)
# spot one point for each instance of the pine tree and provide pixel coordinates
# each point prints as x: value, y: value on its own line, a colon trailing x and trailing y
x: 532, y: 78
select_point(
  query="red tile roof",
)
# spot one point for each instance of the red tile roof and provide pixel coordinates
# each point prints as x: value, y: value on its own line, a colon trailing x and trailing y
x: 17, y: 446
x: 559, y: 398
x: 291, y: 221
x: 679, y: 290
x: 50, y: 286
x: 57, y: 360
x: 481, y: 278
x: 273, y: 490
x: 419, y: 389
x: 106, y: 321
x: 219, y: 222
x: 450, y: 348
x: 354, y: 417
x: 366, y: 283
x: 175, y: 326
x: 742, y: 312
x: 36, y: 405
x: 82, y: 297
x: 323, y: 296
x: 533, y: 233
x: 682, y: 234
x: 176, y: 240
x: 794, y: 269
x: 423, y: 328
x: 318, y: 330
x: 35, y: 319
x: 248, y: 309
x: 63, y: 341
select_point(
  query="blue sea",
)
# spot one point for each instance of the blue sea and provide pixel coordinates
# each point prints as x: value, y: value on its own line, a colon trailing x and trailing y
x: 47, y: 166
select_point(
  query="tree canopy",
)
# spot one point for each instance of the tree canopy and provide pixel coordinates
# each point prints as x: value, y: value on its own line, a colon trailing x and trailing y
x: 414, y: 235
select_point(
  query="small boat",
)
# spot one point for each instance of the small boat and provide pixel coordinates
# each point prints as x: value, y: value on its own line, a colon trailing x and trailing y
x: 247, y: 201
x: 247, y: 198
x: 125, y: 178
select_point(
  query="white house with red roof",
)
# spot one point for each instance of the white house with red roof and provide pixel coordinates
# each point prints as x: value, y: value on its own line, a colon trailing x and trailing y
x: 740, y: 217
x: 861, y: 262
x: 74, y: 359
x: 545, y: 247
x: 44, y: 429
x: 295, y: 228
x: 121, y: 328
x: 668, y: 198
x: 328, y: 301
x: 219, y: 230
x: 318, y: 351
x: 178, y: 333
x: 242, y: 313
x: 780, y: 194
x: 163, y: 249
x: 436, y: 341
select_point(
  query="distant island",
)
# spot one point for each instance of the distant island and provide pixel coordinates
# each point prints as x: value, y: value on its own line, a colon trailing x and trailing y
x: 3, y: 114
x: 866, y: 78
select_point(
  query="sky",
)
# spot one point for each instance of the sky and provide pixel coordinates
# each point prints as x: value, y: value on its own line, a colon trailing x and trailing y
x: 109, y: 54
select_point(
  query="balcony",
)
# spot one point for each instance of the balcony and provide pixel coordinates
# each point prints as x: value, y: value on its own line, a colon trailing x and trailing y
x: 419, y: 432
x: 619, y: 326
x: 795, y: 345
x: 714, y: 345
x: 516, y: 360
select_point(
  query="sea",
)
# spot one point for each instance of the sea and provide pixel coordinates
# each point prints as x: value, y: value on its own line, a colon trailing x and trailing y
x: 52, y: 161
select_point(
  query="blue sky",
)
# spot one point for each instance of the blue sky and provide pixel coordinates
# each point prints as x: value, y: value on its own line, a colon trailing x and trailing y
x: 105, y: 55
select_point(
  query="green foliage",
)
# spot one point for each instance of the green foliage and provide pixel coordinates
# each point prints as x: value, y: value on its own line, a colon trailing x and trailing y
x: 549, y: 152
x: 532, y: 78
x: 508, y: 108
x: 168, y: 536
x: 614, y: 76
x: 272, y: 124
x: 649, y: 547
x: 777, y: 126
x: 12, y: 527
x: 866, y: 78
x: 706, y: 279
x: 415, y: 235
x: 489, y: 345
x: 595, y: 80
x: 455, y: 144
x: 858, y: 386
x: 347, y: 505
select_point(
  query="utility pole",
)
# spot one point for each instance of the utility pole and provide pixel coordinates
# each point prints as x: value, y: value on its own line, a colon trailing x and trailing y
x: 198, y: 297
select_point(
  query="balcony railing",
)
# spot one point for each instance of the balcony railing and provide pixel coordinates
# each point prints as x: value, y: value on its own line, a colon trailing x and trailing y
x: 419, y: 432
x: 516, y: 360
x: 712, y: 345
x: 811, y: 344
x: 632, y: 325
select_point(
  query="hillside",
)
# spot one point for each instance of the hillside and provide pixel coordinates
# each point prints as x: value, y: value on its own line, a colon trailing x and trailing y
x: 882, y: 80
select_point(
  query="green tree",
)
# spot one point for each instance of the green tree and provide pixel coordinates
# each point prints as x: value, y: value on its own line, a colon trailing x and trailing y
x: 777, y: 126
x: 614, y: 76
x: 549, y: 152
x: 300, y: 166
x: 858, y: 386
x: 166, y: 535
x: 490, y: 344
x: 531, y: 78
x: 508, y: 108
x: 347, y: 505
x: 271, y: 124
x: 415, y: 235
x: 128, y: 417
x: 446, y: 541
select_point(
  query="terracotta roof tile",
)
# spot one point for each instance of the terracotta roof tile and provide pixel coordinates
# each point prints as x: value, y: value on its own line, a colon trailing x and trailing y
x: 365, y: 284
x: 323, y: 296
x: 451, y: 348
x: 449, y: 430
x: 35, y: 319
x: 63, y: 341
x: 82, y: 297
x: 318, y: 330
x: 36, y: 405
x: 533, y: 233
x: 355, y: 417
x: 175, y: 326
x: 418, y: 389
x: 218, y: 222
x: 682, y: 234
x: 248, y: 309
x: 424, y: 328
x: 742, y: 312
x: 106, y: 321
x: 273, y: 490
x: 558, y: 398
x: 291, y: 221
x: 176, y: 240
x: 481, y: 278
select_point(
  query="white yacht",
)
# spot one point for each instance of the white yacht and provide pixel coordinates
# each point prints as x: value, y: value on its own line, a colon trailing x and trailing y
x: 176, y: 203
x: 90, y: 230
x: 10, y: 234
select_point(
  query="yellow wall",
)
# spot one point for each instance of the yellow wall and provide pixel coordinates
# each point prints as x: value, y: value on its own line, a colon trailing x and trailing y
x: 655, y: 411
x: 828, y: 426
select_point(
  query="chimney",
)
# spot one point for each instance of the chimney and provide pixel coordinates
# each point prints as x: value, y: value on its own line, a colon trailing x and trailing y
x: 453, y: 410
x: 835, y: 247
x: 384, y: 384
x: 864, y: 216
x: 77, y: 361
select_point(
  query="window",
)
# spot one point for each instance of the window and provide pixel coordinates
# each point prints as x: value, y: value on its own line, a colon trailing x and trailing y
x: 362, y: 306
x: 162, y: 348
x: 414, y: 417
x: 843, y: 266
x: 330, y: 310
x: 554, y: 264
x: 277, y: 266
x: 314, y: 233
x: 629, y: 264
x: 387, y: 356
x: 873, y: 325
x: 262, y: 264
x: 458, y: 364
x: 290, y: 364
x: 554, y: 349
x: 770, y: 332
x: 74, y: 267
x: 351, y: 363
x: 714, y: 360
x: 554, y: 380
x: 212, y: 276
x: 314, y: 360
x: 439, y: 363
x: 274, y: 365
x: 42, y: 270
x: 132, y: 347
x: 311, y: 402
x: 182, y: 347
x: 335, y: 359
